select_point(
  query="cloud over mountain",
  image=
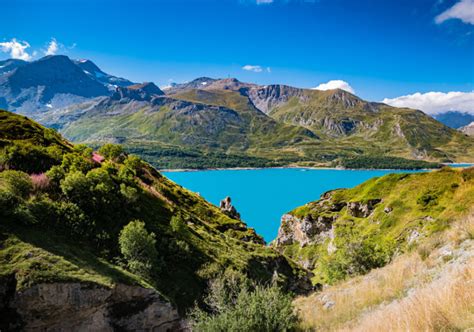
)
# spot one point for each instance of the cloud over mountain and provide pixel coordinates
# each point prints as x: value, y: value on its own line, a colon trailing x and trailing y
x: 436, y: 102
x: 335, y: 84
x: 53, y: 47
x: 16, y: 49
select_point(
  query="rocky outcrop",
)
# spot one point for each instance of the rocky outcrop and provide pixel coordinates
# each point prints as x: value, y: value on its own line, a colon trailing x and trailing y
x: 303, y: 231
x: 139, y: 92
x: 362, y: 210
x: 316, y: 225
x: 227, y: 207
x: 268, y: 97
x: 84, y: 307
x: 469, y: 129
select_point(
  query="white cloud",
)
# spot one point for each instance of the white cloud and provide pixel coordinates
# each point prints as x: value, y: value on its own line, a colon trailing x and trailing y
x: 53, y: 47
x: 256, y: 69
x: 436, y: 102
x: 17, y: 49
x: 264, y: 2
x: 463, y: 10
x: 335, y: 84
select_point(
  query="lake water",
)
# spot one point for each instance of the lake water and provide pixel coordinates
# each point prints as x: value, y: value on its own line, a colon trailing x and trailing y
x: 262, y: 196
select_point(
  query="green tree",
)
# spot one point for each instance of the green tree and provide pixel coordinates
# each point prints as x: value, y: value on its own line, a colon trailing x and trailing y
x: 112, y: 151
x: 137, y: 245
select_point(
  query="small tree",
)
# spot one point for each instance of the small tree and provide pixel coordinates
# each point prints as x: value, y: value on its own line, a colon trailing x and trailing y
x: 138, y: 248
x: 112, y: 152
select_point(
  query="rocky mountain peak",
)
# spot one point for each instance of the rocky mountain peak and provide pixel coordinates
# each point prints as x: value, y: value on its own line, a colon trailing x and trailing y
x: 140, y: 92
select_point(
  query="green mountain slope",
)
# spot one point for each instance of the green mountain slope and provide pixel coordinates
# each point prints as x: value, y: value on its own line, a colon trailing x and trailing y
x: 227, y: 123
x: 61, y: 221
x: 350, y: 231
x: 345, y: 120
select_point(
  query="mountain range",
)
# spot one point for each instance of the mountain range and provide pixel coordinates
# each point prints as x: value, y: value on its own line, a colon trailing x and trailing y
x: 221, y: 122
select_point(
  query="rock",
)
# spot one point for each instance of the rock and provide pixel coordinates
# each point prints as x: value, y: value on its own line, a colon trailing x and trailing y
x: 227, y: 207
x: 360, y: 210
x: 84, y: 307
x: 328, y: 305
x: 303, y: 231
x: 413, y: 237
x: 327, y: 302
x: 387, y: 209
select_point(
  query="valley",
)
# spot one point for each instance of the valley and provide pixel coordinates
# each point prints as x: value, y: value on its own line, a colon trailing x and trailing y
x: 225, y: 123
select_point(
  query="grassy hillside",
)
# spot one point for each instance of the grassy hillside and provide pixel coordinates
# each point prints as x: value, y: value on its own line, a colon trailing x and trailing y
x: 350, y: 231
x: 427, y: 289
x: 62, y: 220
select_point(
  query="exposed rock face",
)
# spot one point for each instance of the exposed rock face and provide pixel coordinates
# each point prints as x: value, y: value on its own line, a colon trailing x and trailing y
x: 361, y: 210
x: 303, y: 231
x: 318, y: 225
x: 139, y: 92
x: 227, y: 207
x: 81, y: 307
x: 267, y: 97
x: 469, y: 129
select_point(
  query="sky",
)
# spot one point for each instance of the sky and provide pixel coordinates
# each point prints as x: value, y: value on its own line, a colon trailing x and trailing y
x: 398, y: 51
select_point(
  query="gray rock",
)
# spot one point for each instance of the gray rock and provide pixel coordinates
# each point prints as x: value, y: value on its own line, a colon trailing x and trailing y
x: 81, y: 307
x: 227, y: 207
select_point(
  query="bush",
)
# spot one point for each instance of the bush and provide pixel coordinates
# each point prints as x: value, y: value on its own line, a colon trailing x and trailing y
x: 356, y: 255
x: 112, y: 152
x: 235, y: 305
x: 16, y: 182
x: 138, y: 248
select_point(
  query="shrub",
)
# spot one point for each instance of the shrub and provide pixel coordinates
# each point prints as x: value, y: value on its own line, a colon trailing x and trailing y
x: 113, y: 152
x: 16, y: 182
x: 235, y: 305
x: 76, y: 186
x: 138, y: 248
x: 356, y: 255
x: 427, y: 199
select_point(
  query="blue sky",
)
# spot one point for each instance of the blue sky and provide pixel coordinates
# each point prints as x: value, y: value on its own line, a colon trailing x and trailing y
x: 382, y: 48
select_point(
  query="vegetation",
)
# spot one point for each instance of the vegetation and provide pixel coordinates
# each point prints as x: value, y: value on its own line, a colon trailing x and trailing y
x: 426, y: 289
x: 224, y: 128
x: 379, y: 218
x: 128, y: 224
x: 138, y: 248
x: 235, y: 304
x: 385, y: 163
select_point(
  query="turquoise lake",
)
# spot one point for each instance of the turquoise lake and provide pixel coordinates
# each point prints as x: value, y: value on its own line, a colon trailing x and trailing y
x: 262, y: 196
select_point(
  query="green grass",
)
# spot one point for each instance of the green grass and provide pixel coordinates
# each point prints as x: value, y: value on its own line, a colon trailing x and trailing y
x: 66, y: 228
x: 423, y: 202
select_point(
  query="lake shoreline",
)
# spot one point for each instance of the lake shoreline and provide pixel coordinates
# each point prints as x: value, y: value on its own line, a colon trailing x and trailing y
x: 170, y: 170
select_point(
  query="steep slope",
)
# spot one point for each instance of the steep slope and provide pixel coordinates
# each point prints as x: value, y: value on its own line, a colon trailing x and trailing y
x: 345, y: 120
x: 60, y: 228
x: 427, y: 289
x: 96, y: 73
x: 50, y: 82
x: 350, y: 231
x: 10, y: 64
x: 203, y: 121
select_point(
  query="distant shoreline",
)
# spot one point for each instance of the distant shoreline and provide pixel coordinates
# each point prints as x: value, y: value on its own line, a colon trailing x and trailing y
x: 303, y: 167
